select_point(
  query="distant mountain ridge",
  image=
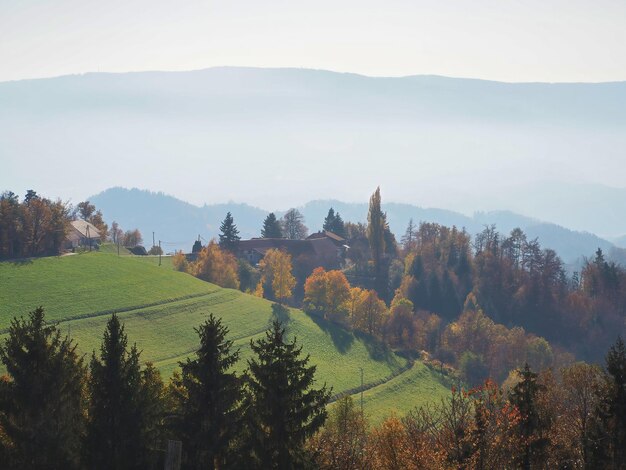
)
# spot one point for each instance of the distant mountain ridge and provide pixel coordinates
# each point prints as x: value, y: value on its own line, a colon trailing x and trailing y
x: 551, y: 151
x: 177, y: 223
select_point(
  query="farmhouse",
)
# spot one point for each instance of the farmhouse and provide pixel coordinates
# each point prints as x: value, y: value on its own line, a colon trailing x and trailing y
x: 318, y: 251
x: 82, y: 233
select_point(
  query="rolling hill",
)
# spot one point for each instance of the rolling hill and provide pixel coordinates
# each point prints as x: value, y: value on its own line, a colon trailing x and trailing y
x: 160, y: 308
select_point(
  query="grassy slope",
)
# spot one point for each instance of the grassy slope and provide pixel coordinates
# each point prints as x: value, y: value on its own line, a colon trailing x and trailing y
x: 87, y: 285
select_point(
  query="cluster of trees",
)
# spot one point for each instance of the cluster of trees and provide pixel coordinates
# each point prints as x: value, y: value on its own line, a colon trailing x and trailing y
x: 575, y: 418
x: 35, y: 226
x: 328, y: 293
x: 55, y: 412
x: 290, y: 226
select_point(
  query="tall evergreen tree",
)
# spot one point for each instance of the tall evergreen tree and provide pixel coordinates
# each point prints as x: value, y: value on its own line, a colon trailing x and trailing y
x: 210, y: 400
x: 334, y: 223
x: 41, y: 401
x: 271, y: 227
x: 118, y: 418
x: 531, y: 425
x: 285, y: 409
x: 329, y: 221
x: 229, y: 235
x: 339, y: 227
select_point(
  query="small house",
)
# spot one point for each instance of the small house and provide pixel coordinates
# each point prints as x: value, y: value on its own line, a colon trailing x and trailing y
x: 82, y: 233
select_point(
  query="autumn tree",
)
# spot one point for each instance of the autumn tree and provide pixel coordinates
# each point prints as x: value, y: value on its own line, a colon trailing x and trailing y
x: 276, y: 274
x: 315, y: 291
x: 42, y: 421
x: 342, y: 442
x: 229, y: 235
x: 132, y: 238
x: 286, y: 409
x: 292, y: 225
x: 216, y: 266
x: 582, y: 386
x: 271, y: 227
x: 327, y: 292
x: 369, y: 314
x: 614, y: 409
x: 208, y: 395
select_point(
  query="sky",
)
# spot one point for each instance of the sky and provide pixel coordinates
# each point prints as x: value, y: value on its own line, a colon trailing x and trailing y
x: 505, y: 40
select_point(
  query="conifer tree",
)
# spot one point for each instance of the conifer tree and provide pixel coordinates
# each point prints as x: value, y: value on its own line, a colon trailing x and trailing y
x: 329, y: 221
x: 210, y: 400
x: 229, y: 235
x: 334, y: 223
x: 531, y: 425
x: 285, y: 408
x: 271, y: 227
x: 118, y: 418
x: 41, y: 399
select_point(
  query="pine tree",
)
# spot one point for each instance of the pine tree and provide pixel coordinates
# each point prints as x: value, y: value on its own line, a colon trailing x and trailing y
x: 41, y: 400
x: 531, y: 425
x: 339, y: 227
x: 230, y: 235
x: 285, y: 409
x: 409, y: 239
x: 271, y: 227
x: 209, y: 403
x: 329, y: 221
x: 118, y: 419
x: 334, y: 223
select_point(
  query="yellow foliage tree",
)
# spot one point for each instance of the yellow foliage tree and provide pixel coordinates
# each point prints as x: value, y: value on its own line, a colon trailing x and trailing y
x: 216, y: 266
x: 276, y: 272
x: 315, y: 291
x: 369, y: 313
x: 337, y: 293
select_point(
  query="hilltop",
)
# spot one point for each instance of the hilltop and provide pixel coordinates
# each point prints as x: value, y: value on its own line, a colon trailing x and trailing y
x: 161, y: 307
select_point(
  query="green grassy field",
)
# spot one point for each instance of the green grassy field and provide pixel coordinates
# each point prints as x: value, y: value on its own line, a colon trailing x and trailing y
x: 161, y: 307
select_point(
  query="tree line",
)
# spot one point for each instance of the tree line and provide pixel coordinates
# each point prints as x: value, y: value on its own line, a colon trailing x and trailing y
x: 58, y: 412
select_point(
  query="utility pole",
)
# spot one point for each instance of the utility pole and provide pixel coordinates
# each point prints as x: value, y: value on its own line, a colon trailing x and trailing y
x: 361, y: 390
x: 153, y: 239
x: 160, y: 252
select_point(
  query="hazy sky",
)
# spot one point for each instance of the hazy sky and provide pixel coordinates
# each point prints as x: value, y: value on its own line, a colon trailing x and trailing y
x: 526, y: 40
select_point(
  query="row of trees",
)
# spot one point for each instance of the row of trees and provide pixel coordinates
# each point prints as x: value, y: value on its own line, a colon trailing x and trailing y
x: 34, y: 227
x: 575, y: 418
x: 37, y: 226
x: 57, y: 413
